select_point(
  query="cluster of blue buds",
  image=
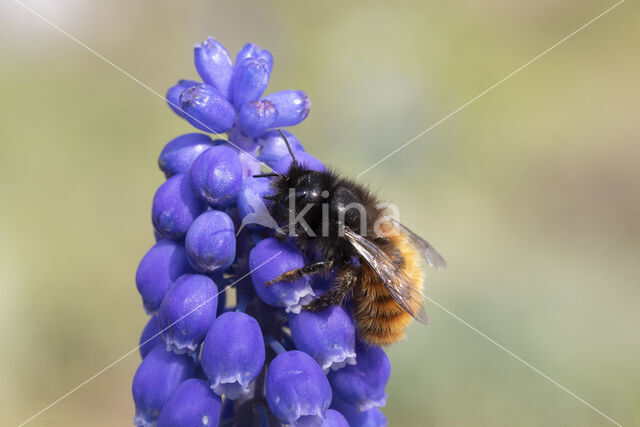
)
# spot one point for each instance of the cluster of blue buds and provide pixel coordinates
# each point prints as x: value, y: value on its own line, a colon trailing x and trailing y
x: 259, y: 360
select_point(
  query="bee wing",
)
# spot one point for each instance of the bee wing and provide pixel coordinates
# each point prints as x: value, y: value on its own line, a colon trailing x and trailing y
x: 395, y: 280
x: 428, y: 252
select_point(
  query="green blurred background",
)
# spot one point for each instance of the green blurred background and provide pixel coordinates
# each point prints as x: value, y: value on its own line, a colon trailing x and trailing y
x: 531, y: 193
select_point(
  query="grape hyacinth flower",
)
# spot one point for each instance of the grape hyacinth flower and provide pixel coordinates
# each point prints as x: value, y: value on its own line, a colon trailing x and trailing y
x: 363, y: 383
x: 297, y: 389
x: 290, y: 295
x: 260, y: 359
x: 192, y: 404
x: 328, y: 336
x: 187, y: 311
x: 233, y: 354
x: 160, y: 267
x: 157, y: 377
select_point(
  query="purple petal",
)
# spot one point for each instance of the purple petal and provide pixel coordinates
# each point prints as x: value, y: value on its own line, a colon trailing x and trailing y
x: 214, y: 65
x: 175, y: 207
x: 173, y: 95
x: 206, y: 109
x: 233, y: 353
x: 297, y: 389
x: 157, y: 377
x: 292, y: 107
x: 179, y: 153
x: 216, y: 175
x: 158, y: 269
x: 187, y: 311
x: 250, y: 80
x: 268, y: 260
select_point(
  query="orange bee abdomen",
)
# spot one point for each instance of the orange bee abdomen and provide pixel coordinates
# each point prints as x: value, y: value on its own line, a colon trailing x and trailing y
x: 380, y: 320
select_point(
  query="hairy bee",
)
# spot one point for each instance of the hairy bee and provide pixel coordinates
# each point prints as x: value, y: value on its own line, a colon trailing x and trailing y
x: 376, y: 259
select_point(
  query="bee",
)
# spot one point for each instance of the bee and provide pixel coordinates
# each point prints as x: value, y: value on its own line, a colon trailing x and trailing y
x: 375, y: 258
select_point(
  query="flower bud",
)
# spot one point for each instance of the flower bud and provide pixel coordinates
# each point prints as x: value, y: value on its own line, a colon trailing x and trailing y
x: 192, y: 404
x: 173, y: 95
x: 292, y: 106
x: 187, y: 311
x: 362, y: 385
x: 211, y: 242
x: 273, y: 147
x: 233, y: 353
x: 179, y: 154
x: 157, y: 377
x: 269, y: 259
x: 256, y: 117
x: 298, y: 392
x: 150, y: 337
x: 250, y: 80
x: 159, y: 268
x: 214, y: 65
x: 251, y: 50
x: 216, y: 175
x: 206, y: 109
x: 329, y: 336
x: 175, y: 207
x: 283, y: 165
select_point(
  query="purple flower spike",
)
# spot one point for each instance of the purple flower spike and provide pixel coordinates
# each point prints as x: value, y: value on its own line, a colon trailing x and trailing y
x: 256, y: 117
x: 370, y: 418
x: 298, y: 392
x: 159, y: 268
x: 270, y: 258
x: 334, y: 418
x: 283, y: 165
x: 273, y: 147
x: 233, y: 353
x: 208, y: 364
x: 216, y: 175
x: 328, y: 336
x: 179, y: 154
x: 292, y: 106
x: 150, y: 337
x: 362, y: 385
x: 206, y: 109
x: 211, y: 242
x: 175, y: 207
x: 252, y: 207
x: 192, y: 404
x: 173, y: 95
x: 157, y: 377
x: 250, y: 80
x: 251, y: 50
x: 214, y: 65
x: 187, y: 311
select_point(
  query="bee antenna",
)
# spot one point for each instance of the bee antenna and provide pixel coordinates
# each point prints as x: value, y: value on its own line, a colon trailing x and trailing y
x: 286, y: 141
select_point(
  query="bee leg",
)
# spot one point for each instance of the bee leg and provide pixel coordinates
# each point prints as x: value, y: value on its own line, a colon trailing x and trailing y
x: 297, y: 273
x: 266, y: 175
x: 337, y: 294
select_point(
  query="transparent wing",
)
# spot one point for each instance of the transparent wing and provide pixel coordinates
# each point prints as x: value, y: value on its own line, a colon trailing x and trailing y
x: 394, y: 279
x: 430, y: 255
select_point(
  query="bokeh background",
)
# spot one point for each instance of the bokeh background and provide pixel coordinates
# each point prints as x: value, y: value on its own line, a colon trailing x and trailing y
x: 532, y: 192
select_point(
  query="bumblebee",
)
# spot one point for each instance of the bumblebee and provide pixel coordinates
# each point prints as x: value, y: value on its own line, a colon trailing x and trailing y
x: 375, y: 258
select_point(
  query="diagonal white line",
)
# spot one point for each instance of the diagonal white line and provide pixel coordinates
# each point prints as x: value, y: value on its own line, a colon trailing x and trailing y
x: 124, y: 356
x: 147, y: 87
x: 518, y: 358
x: 487, y: 90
